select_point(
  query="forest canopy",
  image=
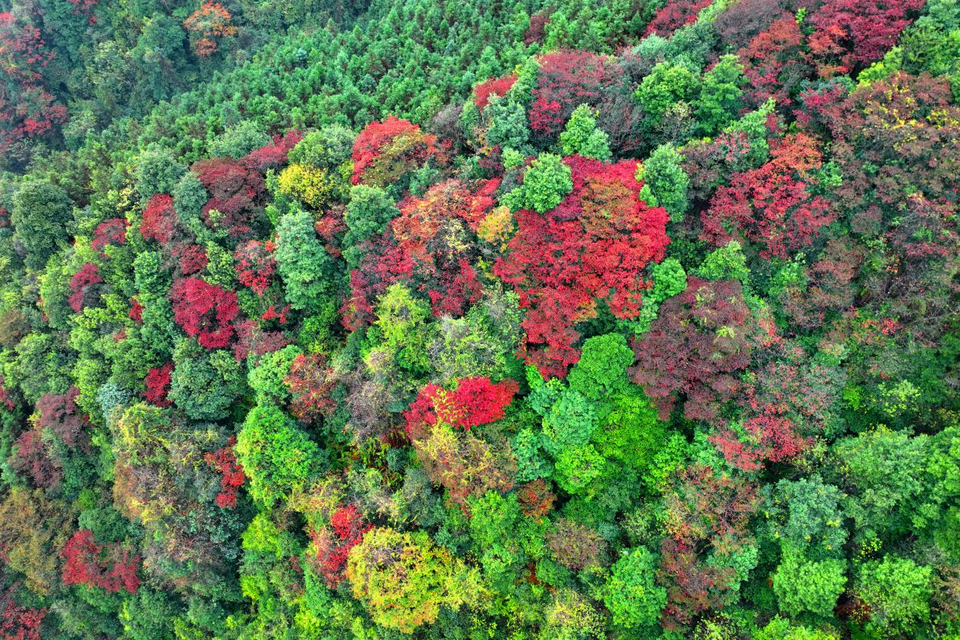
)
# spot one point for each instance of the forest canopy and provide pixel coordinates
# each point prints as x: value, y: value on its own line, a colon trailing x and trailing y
x: 520, y: 319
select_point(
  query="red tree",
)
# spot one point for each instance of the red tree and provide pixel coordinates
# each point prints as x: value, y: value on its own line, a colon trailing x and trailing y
x: 429, y: 247
x: 771, y: 205
x: 224, y: 461
x: 850, y: 34
x: 474, y: 402
x: 18, y: 622
x: 109, y: 232
x: 311, y: 383
x: 27, y: 108
x: 492, y: 87
x: 84, y: 291
x: 235, y: 192
x: 674, y: 15
x: 592, y: 247
x: 160, y: 222
x: 766, y: 438
x: 694, y: 347
x: 207, y: 26
x: 706, y: 512
x: 332, y: 544
x: 775, y: 62
x: 255, y: 265
x: 107, y: 566
x: 566, y: 80
x: 386, y: 150
x: 274, y: 155
x: 204, y: 311
x: 34, y: 459
x: 60, y: 414
x: 158, y: 385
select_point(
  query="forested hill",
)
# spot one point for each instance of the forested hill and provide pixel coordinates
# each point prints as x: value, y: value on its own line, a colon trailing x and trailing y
x: 522, y: 320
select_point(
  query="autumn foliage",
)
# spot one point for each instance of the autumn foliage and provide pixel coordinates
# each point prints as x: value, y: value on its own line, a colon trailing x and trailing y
x: 592, y: 248
x: 204, y: 311
x: 107, y: 566
x: 386, y: 150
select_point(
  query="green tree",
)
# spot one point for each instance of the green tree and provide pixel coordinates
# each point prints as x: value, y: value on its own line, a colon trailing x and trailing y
x: 546, y: 182
x: 403, y: 579
x: 665, y: 182
x: 897, y: 592
x: 631, y: 594
x: 305, y: 266
x: 42, y: 218
x: 581, y: 135
x: 804, y: 585
x: 276, y: 456
x: 720, y: 98
x: 368, y: 213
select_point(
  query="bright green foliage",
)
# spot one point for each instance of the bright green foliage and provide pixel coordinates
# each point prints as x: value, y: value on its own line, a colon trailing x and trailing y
x: 327, y: 148
x: 545, y: 184
x: 368, y: 213
x: 205, y: 384
x: 721, y: 95
x: 508, y: 126
x: 578, y: 468
x: 669, y: 279
x: 602, y: 369
x: 631, y: 594
x: 570, y: 422
x: 238, y: 141
x: 897, y: 591
x: 481, y: 344
x: 665, y: 181
x: 42, y: 218
x: 189, y: 196
x: 631, y: 434
x: 805, y: 514
x: 401, y: 319
x: 503, y: 538
x: 266, y: 378
x: 725, y: 263
x: 782, y: 629
x: 403, y: 579
x: 667, y: 85
x: 804, y: 585
x: 886, y: 469
x: 276, y: 456
x: 305, y: 266
x: 581, y: 136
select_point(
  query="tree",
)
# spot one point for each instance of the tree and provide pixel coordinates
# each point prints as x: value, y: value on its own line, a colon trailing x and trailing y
x: 720, y: 100
x: 804, y: 585
x: 204, y: 311
x: 581, y: 136
x: 897, y: 592
x: 665, y: 182
x: 108, y: 567
x: 545, y: 184
x: 384, y: 152
x: 693, y: 348
x: 772, y: 205
x: 276, y: 455
x: 42, y: 218
x: 566, y: 80
x: 207, y: 26
x: 403, y: 579
x: 303, y: 263
x: 631, y: 594
x: 368, y: 214
x: 590, y: 249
